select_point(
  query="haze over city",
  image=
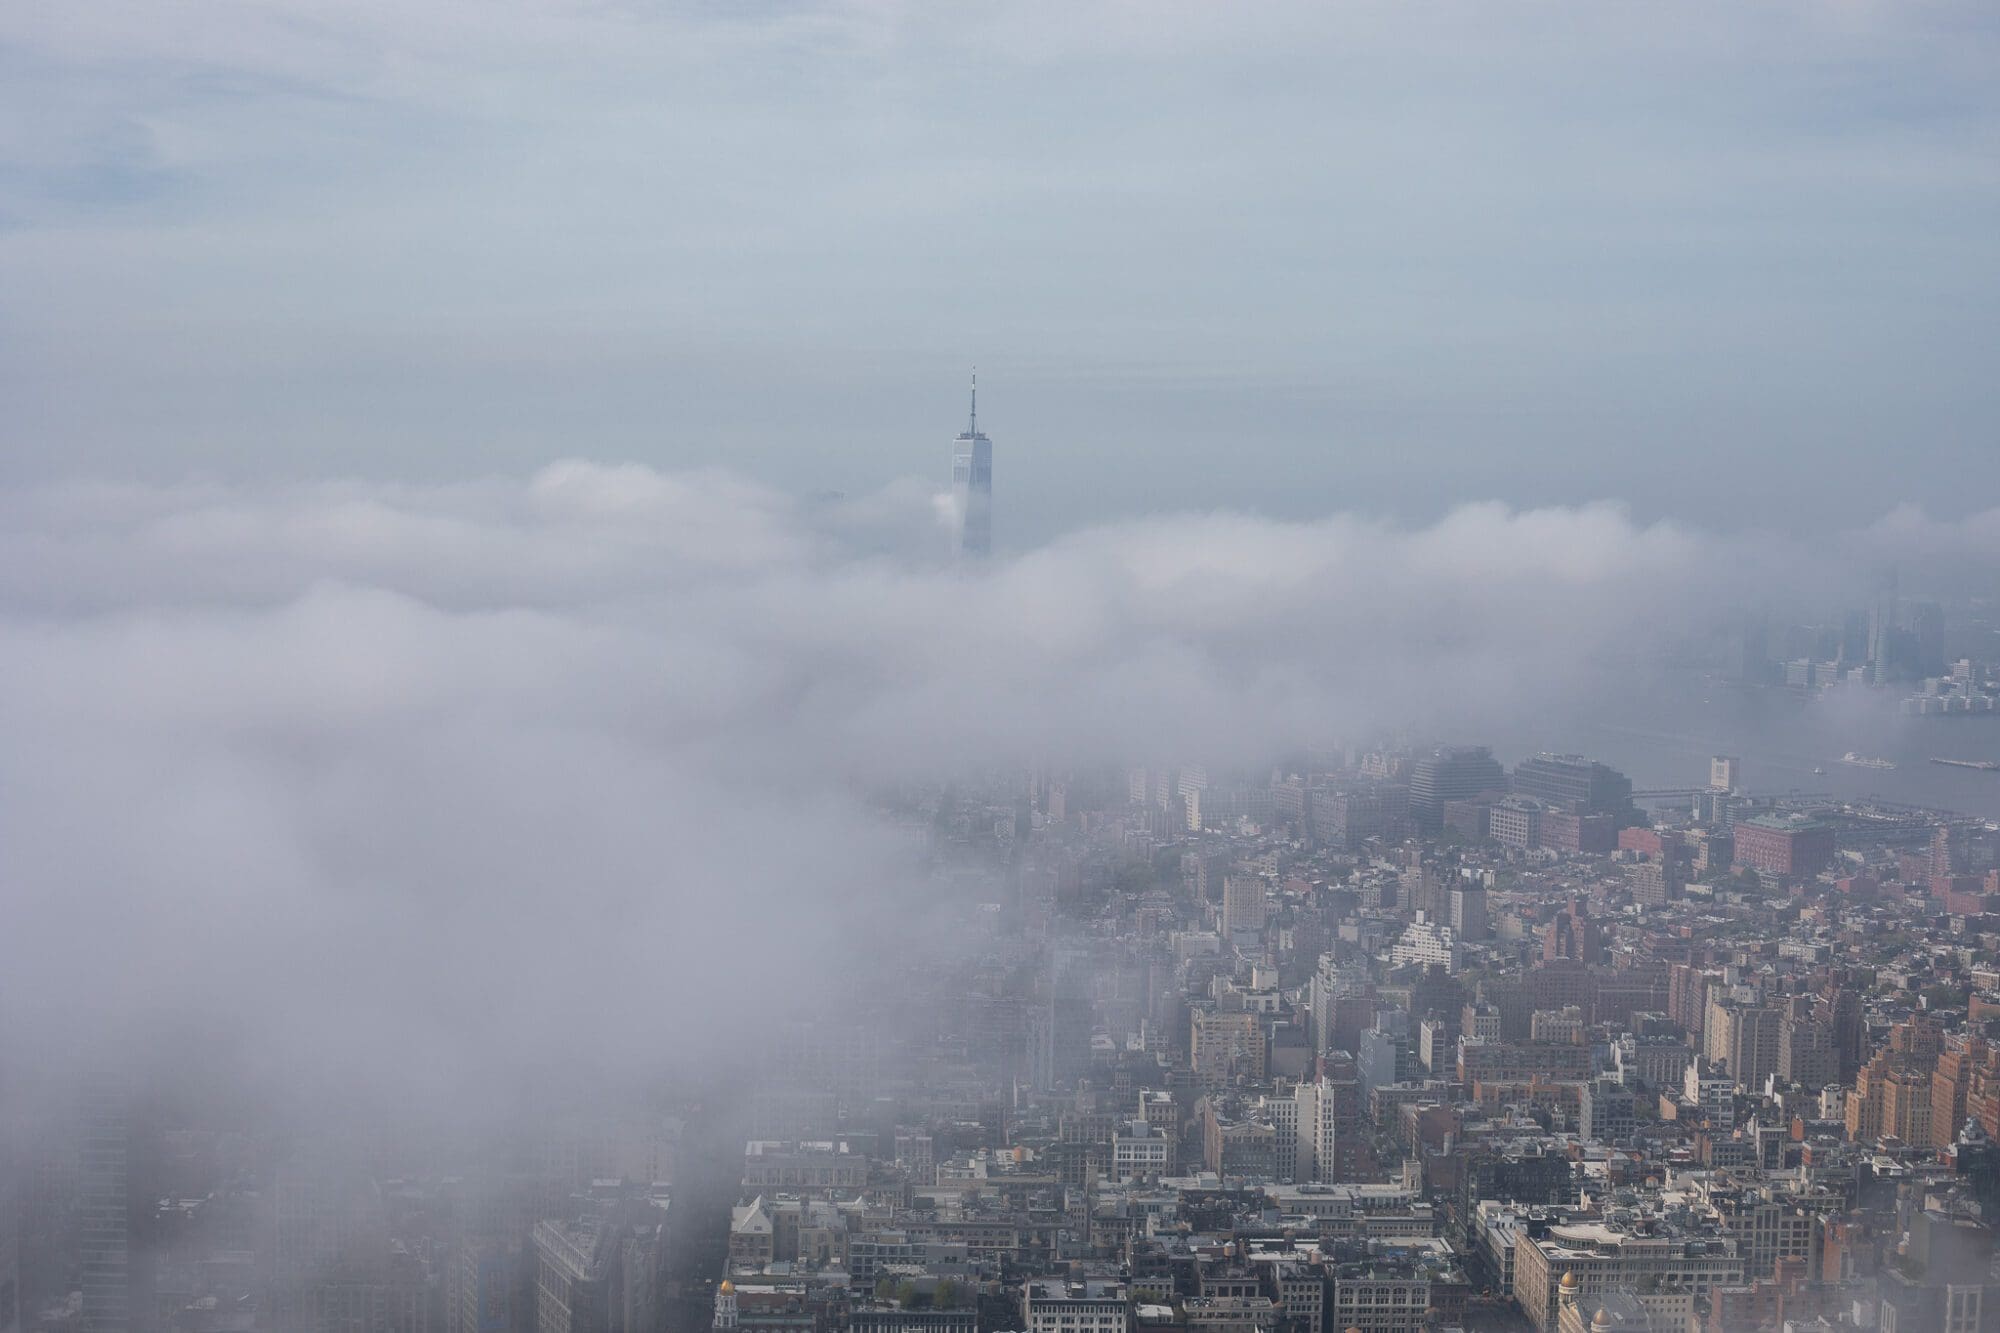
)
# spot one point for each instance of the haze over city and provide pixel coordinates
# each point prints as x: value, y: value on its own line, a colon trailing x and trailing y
x: 1420, y: 752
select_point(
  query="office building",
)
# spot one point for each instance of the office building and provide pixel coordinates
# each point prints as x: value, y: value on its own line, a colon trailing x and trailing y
x: 1140, y: 1150
x: 1095, y: 1305
x: 1805, y: 1053
x: 972, y: 485
x: 1328, y: 1122
x: 1591, y: 1259
x: 1225, y: 1045
x: 116, y: 1295
x: 1516, y: 822
x: 1743, y: 1038
x: 1454, y: 773
x: 1788, y: 846
x: 1573, y: 784
x: 1882, y: 630
x: 1425, y: 941
x: 1468, y: 911
x: 1245, y: 903
x: 1606, y: 1111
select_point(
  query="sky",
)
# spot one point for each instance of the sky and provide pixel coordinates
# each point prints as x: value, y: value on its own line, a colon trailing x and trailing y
x: 1730, y: 264
x: 469, y: 537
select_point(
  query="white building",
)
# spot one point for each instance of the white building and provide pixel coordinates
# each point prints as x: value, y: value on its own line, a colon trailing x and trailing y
x: 1051, y: 1305
x: 1331, y: 982
x: 1715, y: 1096
x: 1140, y: 1151
x: 1315, y: 1130
x: 1283, y: 1113
x: 1425, y: 941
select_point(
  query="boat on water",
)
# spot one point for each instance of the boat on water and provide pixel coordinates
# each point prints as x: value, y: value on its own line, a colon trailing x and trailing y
x: 1981, y: 765
x: 1863, y: 761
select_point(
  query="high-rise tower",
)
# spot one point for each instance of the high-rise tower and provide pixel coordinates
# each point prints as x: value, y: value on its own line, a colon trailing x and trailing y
x: 1882, y: 629
x: 115, y: 1268
x: 972, y: 484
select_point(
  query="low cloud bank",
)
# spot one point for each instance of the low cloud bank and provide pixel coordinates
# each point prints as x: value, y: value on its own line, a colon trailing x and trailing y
x: 421, y: 784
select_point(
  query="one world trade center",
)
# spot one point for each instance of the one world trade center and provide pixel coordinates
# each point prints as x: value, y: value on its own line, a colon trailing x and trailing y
x: 972, y: 485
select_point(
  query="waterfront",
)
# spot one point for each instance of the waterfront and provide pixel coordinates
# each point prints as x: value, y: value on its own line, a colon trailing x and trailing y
x: 1664, y: 734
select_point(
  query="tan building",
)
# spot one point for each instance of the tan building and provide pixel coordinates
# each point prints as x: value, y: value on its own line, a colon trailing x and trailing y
x: 1906, y: 1106
x: 1771, y: 1221
x: 1564, y: 1026
x: 1625, y: 1312
x: 1864, y: 1104
x: 1223, y: 1044
x: 1603, y: 1260
x: 1744, y: 1037
x: 1960, y: 1064
x: 1892, y: 1092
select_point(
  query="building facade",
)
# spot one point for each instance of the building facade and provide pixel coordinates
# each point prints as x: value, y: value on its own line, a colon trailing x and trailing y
x: 972, y: 485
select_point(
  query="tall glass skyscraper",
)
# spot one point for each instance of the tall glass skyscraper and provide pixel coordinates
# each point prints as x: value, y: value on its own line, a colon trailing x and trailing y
x: 104, y: 1215
x: 972, y: 484
x: 1882, y: 630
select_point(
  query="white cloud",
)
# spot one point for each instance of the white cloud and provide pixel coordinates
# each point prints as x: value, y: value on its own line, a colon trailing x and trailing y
x: 1968, y: 546
x: 435, y: 778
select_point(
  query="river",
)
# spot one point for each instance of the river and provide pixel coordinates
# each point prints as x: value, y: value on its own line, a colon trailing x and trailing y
x: 1662, y: 736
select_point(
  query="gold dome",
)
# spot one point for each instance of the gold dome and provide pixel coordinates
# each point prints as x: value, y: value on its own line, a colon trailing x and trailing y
x: 1569, y: 1282
x: 726, y: 1287
x: 1602, y: 1318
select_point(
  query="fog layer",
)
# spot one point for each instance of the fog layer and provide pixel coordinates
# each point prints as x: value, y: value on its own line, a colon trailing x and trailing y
x: 419, y: 785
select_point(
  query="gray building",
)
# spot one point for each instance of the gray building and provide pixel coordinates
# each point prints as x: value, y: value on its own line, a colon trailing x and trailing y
x: 1468, y: 911
x: 117, y: 1298
x: 1384, y: 1058
x: 1607, y: 1111
x: 1452, y: 773
x: 1571, y: 783
x: 972, y: 485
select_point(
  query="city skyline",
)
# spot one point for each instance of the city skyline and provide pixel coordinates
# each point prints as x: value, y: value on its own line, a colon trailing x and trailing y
x: 1449, y: 784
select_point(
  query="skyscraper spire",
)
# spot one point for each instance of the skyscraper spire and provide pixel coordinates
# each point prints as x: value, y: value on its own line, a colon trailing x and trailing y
x: 972, y: 483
